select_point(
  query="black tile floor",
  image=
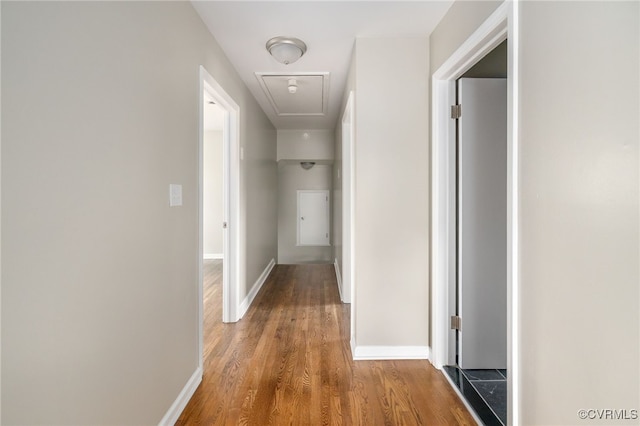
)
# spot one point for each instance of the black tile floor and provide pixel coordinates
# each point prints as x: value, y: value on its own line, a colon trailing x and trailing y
x: 485, y: 391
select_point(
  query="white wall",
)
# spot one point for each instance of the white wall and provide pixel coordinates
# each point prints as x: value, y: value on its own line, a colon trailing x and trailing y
x: 99, y: 275
x: 579, y: 207
x: 392, y: 192
x: 212, y: 197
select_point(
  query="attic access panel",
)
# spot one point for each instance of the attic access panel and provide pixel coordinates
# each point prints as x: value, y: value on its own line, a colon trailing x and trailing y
x: 310, y: 99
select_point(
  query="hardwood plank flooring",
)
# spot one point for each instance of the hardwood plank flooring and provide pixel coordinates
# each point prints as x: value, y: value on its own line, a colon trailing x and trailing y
x: 288, y: 362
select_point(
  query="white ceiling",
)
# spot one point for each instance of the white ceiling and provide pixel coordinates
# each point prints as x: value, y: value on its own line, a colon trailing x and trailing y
x: 329, y: 28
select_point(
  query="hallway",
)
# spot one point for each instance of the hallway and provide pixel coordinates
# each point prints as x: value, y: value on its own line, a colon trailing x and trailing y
x: 288, y: 362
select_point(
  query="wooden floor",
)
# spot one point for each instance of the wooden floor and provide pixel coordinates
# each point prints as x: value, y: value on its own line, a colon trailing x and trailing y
x: 288, y: 362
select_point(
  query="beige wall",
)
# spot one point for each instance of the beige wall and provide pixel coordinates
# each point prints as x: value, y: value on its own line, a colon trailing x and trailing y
x: 305, y: 145
x: 291, y: 178
x: 392, y: 192
x: 579, y: 254
x: 99, y: 276
x: 212, y: 196
x: 579, y: 209
x: 259, y: 192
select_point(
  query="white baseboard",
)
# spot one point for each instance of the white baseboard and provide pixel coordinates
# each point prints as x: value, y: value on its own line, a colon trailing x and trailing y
x: 171, y: 417
x: 389, y: 352
x: 244, y: 306
x: 338, y: 278
x: 353, y: 347
x: 211, y: 256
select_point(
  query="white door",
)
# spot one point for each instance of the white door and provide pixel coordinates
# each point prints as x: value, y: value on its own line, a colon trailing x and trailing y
x: 313, y: 218
x: 482, y: 223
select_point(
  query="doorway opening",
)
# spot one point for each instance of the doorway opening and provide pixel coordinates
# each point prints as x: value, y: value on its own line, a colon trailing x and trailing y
x: 214, y: 121
x: 479, y: 290
x: 218, y: 200
x: 447, y: 348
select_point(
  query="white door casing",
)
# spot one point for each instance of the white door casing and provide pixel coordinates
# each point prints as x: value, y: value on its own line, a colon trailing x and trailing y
x: 231, y: 203
x: 347, y: 203
x: 503, y: 23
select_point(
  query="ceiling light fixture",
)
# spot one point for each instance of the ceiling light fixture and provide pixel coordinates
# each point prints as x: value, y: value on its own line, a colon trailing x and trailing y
x: 286, y: 50
x: 292, y: 86
x: 307, y: 164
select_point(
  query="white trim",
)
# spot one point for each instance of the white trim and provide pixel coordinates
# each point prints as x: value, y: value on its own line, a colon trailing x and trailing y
x: 231, y: 203
x: 212, y: 256
x: 390, y: 352
x: 502, y: 24
x: 352, y: 344
x: 172, y: 415
x: 513, y: 218
x: 443, y: 85
x: 244, y: 306
x: 443, y: 91
x: 348, y: 209
x: 338, y: 278
x: 231, y: 194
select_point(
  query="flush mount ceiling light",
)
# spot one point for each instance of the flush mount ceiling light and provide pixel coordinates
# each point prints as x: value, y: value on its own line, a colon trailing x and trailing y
x: 307, y: 164
x: 286, y: 50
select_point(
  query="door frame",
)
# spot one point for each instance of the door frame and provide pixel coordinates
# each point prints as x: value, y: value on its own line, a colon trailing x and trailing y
x: 502, y: 24
x: 231, y: 204
x: 348, y: 132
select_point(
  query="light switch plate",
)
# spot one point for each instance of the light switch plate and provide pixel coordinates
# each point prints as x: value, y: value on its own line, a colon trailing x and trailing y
x: 175, y: 195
